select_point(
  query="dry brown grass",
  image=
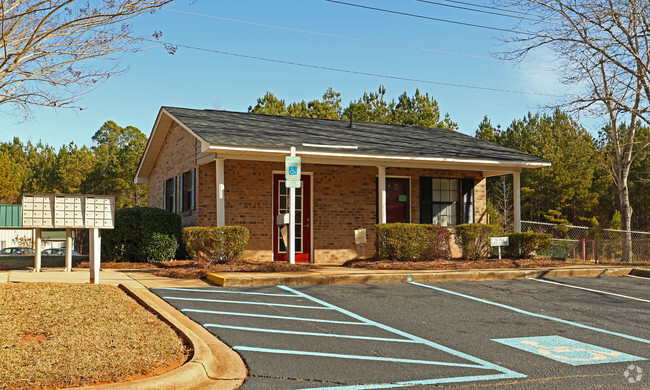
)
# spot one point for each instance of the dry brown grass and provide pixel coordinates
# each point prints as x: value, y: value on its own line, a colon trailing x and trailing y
x: 196, y: 270
x: 55, y: 335
x: 453, y: 264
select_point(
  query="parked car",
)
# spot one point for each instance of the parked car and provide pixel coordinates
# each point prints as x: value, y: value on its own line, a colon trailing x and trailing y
x: 17, y: 251
x: 57, y: 252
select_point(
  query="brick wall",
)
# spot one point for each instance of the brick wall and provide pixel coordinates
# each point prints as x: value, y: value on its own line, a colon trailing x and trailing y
x: 344, y: 199
x: 176, y: 156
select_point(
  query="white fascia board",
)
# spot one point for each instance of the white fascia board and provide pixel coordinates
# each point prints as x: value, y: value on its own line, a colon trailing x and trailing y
x: 374, y: 159
x: 138, y: 179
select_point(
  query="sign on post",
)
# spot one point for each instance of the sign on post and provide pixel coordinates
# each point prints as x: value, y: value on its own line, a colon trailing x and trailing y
x: 292, y: 171
x: 499, y: 242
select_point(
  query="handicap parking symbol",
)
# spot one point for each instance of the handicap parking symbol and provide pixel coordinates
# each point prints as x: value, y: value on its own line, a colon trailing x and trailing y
x: 568, y: 351
x: 293, y: 170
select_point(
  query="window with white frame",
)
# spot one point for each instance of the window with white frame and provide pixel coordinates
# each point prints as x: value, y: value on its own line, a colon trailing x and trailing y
x: 441, y: 200
x: 445, y: 200
x: 187, y: 190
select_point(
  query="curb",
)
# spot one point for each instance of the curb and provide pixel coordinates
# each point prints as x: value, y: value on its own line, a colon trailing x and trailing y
x: 213, y: 365
x: 349, y: 277
x: 644, y: 273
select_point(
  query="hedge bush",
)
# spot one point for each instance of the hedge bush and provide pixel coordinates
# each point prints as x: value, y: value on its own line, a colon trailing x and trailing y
x: 143, y: 234
x: 409, y: 241
x: 474, y: 239
x: 523, y: 245
x: 216, y: 244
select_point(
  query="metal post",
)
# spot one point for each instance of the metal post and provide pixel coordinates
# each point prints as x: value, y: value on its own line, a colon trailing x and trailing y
x: 68, y: 250
x: 37, y: 254
x: 596, y: 246
x: 292, y: 219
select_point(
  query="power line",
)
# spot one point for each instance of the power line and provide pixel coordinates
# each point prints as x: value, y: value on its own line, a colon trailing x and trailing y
x: 501, y: 9
x: 485, y: 12
x: 356, y: 39
x: 425, y: 17
x: 170, y: 45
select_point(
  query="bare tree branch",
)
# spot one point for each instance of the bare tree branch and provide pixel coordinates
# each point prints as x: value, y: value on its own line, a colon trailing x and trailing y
x: 49, y: 48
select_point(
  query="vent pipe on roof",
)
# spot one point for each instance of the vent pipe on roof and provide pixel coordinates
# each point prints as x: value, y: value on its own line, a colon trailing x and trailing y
x: 351, y: 125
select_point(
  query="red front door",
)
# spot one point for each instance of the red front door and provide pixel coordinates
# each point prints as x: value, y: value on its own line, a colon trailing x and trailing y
x: 303, y: 218
x: 397, y: 200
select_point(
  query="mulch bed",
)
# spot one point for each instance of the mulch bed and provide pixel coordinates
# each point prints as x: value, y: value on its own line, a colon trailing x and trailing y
x: 453, y: 264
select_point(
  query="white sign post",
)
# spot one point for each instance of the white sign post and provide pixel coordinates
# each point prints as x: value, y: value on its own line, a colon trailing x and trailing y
x: 499, y: 242
x: 292, y: 176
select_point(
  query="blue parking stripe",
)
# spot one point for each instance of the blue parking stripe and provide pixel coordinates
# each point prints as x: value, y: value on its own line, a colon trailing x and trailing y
x: 282, y: 331
x: 355, y: 357
x: 229, y: 313
x: 248, y: 303
x: 421, y: 382
x: 483, y: 363
x: 224, y: 292
x: 534, y: 314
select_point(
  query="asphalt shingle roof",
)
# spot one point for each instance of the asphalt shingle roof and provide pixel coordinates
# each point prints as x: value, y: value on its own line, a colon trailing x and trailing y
x: 271, y: 131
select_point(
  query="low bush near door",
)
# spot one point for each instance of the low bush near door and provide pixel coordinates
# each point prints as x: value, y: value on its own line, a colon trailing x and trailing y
x: 474, y: 239
x: 216, y: 244
x: 409, y: 241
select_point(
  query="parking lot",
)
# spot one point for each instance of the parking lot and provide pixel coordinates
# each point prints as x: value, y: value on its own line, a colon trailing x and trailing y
x: 523, y: 333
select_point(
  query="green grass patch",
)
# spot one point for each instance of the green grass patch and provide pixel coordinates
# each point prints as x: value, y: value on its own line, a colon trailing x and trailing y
x: 56, y: 335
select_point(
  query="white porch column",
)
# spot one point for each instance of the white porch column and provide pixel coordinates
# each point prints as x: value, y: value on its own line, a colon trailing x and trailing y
x: 37, y: 248
x: 382, y: 194
x: 221, y: 199
x: 68, y: 249
x: 95, y: 254
x: 516, y: 193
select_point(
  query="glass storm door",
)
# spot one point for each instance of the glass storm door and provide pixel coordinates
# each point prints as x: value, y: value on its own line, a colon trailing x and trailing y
x: 303, y: 218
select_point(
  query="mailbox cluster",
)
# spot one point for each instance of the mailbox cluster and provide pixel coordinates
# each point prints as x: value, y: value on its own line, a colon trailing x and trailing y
x: 68, y: 211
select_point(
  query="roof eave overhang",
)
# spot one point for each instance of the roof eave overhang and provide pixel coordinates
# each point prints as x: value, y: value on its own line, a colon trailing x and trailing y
x: 161, y: 128
x: 488, y: 166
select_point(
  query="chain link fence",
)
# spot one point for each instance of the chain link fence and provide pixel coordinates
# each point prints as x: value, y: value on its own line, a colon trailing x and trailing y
x: 590, y: 244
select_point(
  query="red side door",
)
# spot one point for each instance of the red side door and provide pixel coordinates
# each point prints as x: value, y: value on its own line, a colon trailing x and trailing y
x: 398, y: 200
x: 303, y: 218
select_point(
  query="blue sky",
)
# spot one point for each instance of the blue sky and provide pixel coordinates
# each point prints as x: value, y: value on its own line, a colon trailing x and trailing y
x: 200, y: 79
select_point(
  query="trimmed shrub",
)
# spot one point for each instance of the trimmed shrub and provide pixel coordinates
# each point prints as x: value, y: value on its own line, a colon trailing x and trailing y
x: 474, y: 239
x: 410, y: 241
x: 216, y: 244
x: 143, y: 234
x: 526, y: 244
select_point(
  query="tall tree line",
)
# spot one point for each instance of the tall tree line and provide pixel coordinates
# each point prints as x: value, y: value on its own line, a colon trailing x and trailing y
x: 107, y: 167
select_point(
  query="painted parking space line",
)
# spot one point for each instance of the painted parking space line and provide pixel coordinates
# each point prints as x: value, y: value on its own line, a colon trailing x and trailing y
x: 517, y: 310
x: 230, y: 313
x: 590, y: 289
x: 221, y: 291
x: 355, y: 357
x: 300, y: 333
x: 468, y: 362
x: 564, y: 350
x: 248, y: 303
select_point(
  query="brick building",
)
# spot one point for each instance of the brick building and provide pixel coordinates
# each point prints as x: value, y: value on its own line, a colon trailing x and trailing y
x: 219, y: 168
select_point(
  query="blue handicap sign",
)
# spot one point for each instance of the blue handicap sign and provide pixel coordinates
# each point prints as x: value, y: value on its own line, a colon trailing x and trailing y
x: 293, y: 170
x: 568, y: 351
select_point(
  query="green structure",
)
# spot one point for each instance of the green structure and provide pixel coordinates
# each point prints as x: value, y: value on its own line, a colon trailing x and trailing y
x: 11, y: 216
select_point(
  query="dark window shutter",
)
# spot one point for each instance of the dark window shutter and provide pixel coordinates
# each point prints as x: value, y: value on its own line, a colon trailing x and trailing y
x: 468, y: 200
x: 426, y: 207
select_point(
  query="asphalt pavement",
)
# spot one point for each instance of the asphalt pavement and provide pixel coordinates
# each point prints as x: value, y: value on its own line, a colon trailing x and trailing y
x: 547, y: 333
